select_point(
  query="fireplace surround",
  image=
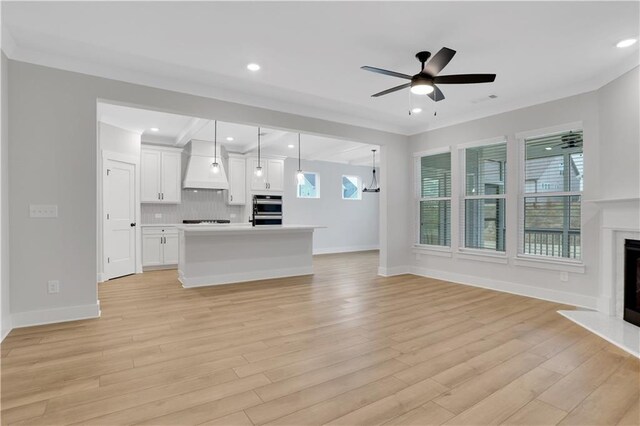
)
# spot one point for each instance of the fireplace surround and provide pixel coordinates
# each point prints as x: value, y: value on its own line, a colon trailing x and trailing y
x: 631, y: 311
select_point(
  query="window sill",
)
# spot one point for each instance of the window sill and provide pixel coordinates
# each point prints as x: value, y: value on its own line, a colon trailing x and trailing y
x: 548, y: 263
x: 432, y: 250
x: 482, y: 256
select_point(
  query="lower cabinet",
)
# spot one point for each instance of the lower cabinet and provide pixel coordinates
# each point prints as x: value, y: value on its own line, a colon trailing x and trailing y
x: 159, y: 246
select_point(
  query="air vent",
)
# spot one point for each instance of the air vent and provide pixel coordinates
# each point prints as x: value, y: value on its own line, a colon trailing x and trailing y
x: 484, y: 99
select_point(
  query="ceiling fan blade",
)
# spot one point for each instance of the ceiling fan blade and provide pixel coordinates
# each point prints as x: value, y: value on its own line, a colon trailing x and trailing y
x: 464, y: 78
x: 386, y: 72
x: 436, y: 95
x: 393, y: 89
x: 439, y: 61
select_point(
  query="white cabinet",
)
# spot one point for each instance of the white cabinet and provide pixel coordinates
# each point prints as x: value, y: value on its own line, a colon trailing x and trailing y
x: 275, y: 175
x: 272, y: 179
x: 160, y: 173
x: 159, y: 246
x: 237, y: 181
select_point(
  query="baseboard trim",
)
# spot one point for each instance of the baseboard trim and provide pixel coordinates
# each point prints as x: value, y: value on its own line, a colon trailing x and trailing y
x: 351, y: 249
x: 50, y: 316
x: 6, y: 330
x: 393, y: 271
x: 566, y: 298
x: 159, y: 267
x: 243, y: 277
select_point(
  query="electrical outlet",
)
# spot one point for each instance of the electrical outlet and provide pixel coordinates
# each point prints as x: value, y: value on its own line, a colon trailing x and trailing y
x: 53, y: 286
x: 158, y: 215
x: 43, y: 210
x: 564, y: 276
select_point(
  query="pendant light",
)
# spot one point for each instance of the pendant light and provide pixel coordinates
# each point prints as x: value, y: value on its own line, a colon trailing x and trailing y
x: 215, y: 166
x: 258, y: 170
x: 373, y: 187
x: 299, y: 173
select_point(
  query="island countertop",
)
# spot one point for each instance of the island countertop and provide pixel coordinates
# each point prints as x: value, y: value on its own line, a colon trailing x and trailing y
x: 244, y: 228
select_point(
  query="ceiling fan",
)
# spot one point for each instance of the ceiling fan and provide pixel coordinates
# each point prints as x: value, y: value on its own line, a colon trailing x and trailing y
x: 424, y: 83
x: 570, y: 140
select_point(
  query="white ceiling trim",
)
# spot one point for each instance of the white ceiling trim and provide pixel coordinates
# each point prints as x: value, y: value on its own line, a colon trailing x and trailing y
x: 193, y: 127
x: 68, y: 63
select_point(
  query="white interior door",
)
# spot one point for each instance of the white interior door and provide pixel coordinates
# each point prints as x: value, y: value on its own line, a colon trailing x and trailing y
x: 120, y: 220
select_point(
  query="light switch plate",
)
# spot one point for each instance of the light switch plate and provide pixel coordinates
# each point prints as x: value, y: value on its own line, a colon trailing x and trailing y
x: 43, y: 210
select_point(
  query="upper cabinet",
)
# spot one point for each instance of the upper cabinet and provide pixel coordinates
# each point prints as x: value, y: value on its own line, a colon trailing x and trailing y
x: 237, y: 193
x: 160, y: 174
x: 272, y: 179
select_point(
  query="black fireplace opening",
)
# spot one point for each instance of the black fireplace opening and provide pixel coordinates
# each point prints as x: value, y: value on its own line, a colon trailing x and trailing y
x: 632, y: 281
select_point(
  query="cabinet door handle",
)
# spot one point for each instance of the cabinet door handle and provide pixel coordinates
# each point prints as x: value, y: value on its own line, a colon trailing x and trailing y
x: 162, y: 193
x: 231, y: 197
x: 158, y: 195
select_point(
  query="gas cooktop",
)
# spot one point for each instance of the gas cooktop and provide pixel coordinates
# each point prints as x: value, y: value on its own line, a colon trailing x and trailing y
x: 204, y: 221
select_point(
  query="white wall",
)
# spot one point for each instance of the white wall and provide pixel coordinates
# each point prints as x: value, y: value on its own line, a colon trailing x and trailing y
x: 5, y: 316
x: 610, y: 141
x: 620, y: 137
x: 53, y: 160
x: 113, y: 140
x: 351, y: 225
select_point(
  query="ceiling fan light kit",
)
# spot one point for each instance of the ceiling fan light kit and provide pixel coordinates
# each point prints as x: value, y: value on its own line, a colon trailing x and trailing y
x: 426, y: 81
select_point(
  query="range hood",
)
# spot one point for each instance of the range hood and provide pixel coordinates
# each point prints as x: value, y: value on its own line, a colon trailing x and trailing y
x: 199, y: 174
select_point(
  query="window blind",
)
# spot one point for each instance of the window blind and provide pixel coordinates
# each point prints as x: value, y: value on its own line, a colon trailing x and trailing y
x: 483, y: 221
x: 553, y: 183
x: 435, y: 200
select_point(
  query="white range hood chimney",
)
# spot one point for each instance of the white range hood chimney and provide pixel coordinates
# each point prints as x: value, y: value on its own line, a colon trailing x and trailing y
x: 199, y: 174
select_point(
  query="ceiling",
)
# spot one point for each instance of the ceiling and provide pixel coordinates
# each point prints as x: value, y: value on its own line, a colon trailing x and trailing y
x: 311, y: 52
x: 178, y: 130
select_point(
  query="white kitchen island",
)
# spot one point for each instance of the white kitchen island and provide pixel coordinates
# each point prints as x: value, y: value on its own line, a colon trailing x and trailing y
x: 225, y: 254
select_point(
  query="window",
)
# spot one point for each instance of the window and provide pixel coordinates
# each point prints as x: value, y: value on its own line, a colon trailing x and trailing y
x: 351, y: 188
x: 484, y: 197
x: 310, y: 186
x: 553, y: 183
x: 435, y: 200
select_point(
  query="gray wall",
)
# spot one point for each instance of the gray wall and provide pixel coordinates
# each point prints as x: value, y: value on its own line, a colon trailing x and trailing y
x: 5, y: 317
x: 611, y: 153
x: 53, y: 160
x: 619, y: 163
x: 350, y: 224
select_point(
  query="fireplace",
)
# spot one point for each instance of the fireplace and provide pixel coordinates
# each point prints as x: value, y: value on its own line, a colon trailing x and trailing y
x: 632, y: 282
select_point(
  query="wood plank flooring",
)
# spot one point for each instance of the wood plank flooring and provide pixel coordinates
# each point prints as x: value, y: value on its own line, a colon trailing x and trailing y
x: 342, y: 347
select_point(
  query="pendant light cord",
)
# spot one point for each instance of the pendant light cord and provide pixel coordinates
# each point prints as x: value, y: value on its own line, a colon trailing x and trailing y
x: 215, y: 141
x: 259, y: 164
x: 299, y: 168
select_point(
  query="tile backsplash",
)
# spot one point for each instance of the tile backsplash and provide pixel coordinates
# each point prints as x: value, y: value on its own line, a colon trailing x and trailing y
x: 196, y: 204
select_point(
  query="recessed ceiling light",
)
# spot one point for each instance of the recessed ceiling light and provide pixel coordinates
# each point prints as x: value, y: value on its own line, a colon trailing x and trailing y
x: 253, y: 67
x: 154, y: 129
x: 626, y: 43
x: 229, y: 138
x: 548, y: 148
x: 416, y: 110
x: 291, y: 145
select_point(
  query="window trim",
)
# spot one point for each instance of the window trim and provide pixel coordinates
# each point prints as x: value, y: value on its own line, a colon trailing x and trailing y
x: 462, y: 161
x: 542, y: 261
x: 417, y: 158
x: 317, y: 187
x: 359, y: 186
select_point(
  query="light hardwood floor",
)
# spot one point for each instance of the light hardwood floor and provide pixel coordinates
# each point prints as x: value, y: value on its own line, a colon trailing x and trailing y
x: 342, y: 347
